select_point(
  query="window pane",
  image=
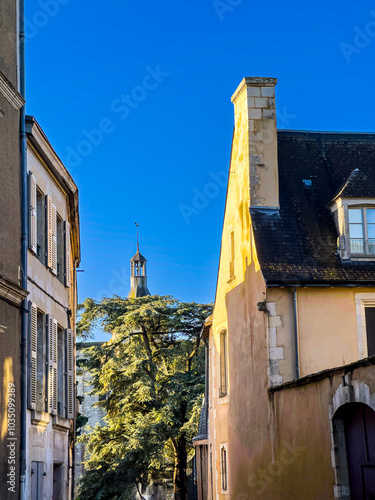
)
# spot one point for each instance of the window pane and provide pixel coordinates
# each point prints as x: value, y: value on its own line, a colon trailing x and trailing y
x: 371, y: 246
x: 356, y: 246
x: 371, y: 230
x: 371, y: 216
x: 355, y: 215
x: 356, y: 230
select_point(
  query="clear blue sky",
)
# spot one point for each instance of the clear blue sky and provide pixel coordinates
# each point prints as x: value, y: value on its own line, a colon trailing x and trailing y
x: 180, y: 62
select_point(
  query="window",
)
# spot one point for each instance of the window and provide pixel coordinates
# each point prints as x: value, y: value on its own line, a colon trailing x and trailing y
x: 223, y: 364
x: 224, y: 469
x: 362, y: 230
x: 41, y: 226
x: 51, y: 365
x: 370, y: 330
x: 41, y: 363
x: 61, y: 372
x: 232, y: 255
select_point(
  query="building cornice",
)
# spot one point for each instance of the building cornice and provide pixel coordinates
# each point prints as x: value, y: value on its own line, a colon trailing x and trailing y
x: 11, y: 292
x: 10, y: 93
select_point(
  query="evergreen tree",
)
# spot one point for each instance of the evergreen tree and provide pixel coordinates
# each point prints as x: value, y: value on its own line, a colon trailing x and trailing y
x: 150, y: 377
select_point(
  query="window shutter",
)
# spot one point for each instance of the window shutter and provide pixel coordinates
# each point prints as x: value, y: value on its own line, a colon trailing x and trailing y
x: 32, y: 352
x: 70, y: 373
x: 67, y: 254
x: 52, y: 235
x: 52, y: 365
x: 33, y: 239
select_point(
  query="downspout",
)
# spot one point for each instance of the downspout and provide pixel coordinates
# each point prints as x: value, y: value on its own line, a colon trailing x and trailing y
x: 24, y: 245
x: 296, y: 333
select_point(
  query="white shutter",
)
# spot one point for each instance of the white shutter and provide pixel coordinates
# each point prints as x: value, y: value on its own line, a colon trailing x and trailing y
x: 33, y: 239
x: 70, y: 373
x: 67, y: 254
x: 32, y: 353
x: 52, y: 365
x: 52, y: 235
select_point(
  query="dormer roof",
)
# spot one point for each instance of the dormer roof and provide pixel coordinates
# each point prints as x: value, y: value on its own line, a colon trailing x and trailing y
x: 359, y: 184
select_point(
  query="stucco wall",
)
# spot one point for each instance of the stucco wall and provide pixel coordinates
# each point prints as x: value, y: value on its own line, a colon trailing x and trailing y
x: 8, y: 40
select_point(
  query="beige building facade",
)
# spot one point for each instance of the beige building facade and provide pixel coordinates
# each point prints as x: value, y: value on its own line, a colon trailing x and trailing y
x: 53, y: 256
x: 291, y: 397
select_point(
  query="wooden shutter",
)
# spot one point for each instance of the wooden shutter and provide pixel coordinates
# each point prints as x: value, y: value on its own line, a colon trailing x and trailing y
x: 67, y: 254
x: 70, y: 373
x: 52, y: 235
x: 52, y: 365
x: 32, y: 352
x: 33, y: 239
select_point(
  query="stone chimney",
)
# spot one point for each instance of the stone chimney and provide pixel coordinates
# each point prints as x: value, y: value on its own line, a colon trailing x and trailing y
x: 256, y: 133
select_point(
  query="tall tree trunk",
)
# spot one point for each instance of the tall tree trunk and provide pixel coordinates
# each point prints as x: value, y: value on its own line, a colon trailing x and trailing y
x: 180, y: 482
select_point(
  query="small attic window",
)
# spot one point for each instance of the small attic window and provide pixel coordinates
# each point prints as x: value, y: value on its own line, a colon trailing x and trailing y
x: 362, y: 230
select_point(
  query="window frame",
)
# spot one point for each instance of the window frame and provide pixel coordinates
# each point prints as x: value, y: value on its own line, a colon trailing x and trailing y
x: 364, y: 225
x: 223, y: 363
x: 224, y: 468
x: 363, y: 300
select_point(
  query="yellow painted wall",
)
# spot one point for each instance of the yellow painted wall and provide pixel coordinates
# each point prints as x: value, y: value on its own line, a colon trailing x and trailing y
x: 236, y: 310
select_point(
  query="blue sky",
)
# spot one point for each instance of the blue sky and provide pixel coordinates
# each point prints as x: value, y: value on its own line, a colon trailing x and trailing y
x: 135, y: 98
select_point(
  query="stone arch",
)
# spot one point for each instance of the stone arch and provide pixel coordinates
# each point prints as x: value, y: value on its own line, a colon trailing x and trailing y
x: 348, y: 392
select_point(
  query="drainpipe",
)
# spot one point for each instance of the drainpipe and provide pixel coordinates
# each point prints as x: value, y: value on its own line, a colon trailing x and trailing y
x: 24, y: 244
x: 296, y: 335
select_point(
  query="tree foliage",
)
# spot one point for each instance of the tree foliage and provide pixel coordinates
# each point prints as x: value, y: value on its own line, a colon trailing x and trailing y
x: 150, y: 377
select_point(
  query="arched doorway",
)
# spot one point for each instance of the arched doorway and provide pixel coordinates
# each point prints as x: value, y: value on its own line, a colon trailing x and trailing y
x: 357, y: 436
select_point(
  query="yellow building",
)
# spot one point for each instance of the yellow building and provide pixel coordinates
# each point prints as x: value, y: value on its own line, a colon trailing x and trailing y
x: 291, y: 345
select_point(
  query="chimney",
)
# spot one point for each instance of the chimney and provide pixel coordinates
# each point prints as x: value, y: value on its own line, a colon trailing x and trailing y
x: 256, y: 136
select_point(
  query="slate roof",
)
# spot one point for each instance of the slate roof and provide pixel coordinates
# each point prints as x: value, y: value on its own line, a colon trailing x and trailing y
x: 138, y: 257
x: 298, y: 244
x: 203, y: 424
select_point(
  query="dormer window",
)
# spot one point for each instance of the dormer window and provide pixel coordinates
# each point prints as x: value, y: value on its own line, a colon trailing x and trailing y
x: 362, y: 230
x: 353, y: 209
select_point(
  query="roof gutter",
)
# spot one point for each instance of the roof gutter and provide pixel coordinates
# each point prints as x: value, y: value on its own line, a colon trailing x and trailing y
x: 24, y: 244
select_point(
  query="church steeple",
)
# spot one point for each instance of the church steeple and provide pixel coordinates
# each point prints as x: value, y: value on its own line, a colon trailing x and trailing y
x: 138, y: 275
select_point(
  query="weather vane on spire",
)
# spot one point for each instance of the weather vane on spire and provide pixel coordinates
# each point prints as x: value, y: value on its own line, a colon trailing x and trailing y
x: 137, y: 226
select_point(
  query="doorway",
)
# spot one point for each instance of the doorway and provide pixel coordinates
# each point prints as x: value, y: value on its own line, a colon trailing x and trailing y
x: 359, y: 428
x: 57, y: 482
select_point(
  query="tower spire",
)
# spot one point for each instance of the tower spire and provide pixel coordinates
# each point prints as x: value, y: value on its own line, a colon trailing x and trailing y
x: 138, y: 276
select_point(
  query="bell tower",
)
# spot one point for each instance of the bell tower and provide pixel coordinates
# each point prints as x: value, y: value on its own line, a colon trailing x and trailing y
x: 138, y: 275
